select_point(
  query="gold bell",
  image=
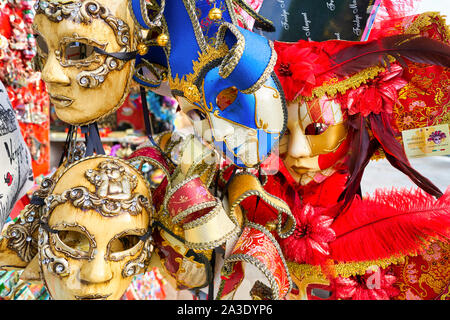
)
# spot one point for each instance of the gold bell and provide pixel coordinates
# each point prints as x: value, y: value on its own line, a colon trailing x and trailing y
x: 142, y: 49
x: 162, y: 40
x: 215, y: 14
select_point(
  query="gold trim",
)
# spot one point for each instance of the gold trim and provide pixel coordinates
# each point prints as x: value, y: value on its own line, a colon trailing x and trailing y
x: 186, y: 83
x: 160, y: 76
x: 267, y: 72
x: 234, y: 55
x: 190, y: 8
x: 426, y: 19
x: 245, y: 185
x: 361, y: 267
x: 260, y: 265
x: 231, y: 60
x: 342, y: 269
x: 333, y: 87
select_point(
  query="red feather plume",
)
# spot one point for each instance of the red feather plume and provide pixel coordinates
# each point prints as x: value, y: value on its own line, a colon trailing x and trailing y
x: 390, y: 223
x: 362, y: 55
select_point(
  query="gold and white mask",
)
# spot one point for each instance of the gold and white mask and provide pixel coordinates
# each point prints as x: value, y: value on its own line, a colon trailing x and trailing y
x: 95, y: 230
x: 314, y: 140
x: 82, y: 47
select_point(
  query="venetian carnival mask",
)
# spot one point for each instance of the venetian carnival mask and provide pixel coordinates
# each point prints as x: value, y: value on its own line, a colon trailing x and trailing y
x: 95, y: 230
x: 244, y: 125
x: 315, y: 139
x: 83, y: 53
x: 222, y: 77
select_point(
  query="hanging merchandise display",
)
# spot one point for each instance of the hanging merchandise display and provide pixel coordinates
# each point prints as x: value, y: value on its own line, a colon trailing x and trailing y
x: 162, y: 110
x: 323, y: 162
x: 259, y: 196
x: 310, y: 74
x: 25, y: 89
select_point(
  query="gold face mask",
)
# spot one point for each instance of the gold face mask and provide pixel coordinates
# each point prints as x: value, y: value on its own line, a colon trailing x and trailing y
x: 316, y: 129
x: 95, y: 228
x: 83, y: 84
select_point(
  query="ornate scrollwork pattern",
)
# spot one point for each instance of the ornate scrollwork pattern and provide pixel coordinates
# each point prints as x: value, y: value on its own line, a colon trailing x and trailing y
x: 80, y: 197
x: 54, y: 264
x: 139, y: 264
x: 20, y: 235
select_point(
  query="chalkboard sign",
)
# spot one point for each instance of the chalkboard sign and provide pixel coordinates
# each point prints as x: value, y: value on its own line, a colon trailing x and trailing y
x: 316, y: 20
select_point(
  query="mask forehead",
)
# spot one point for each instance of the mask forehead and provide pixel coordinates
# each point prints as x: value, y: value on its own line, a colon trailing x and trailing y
x: 322, y: 110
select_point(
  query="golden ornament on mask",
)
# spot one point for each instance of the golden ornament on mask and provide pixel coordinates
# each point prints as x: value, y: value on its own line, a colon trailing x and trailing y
x: 215, y: 14
x: 271, y: 225
x: 192, y: 93
x: 162, y: 40
x: 178, y: 230
x: 142, y: 49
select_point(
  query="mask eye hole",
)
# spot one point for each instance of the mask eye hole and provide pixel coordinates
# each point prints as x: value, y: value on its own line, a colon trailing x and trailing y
x: 124, y: 243
x: 196, y: 115
x: 226, y: 97
x: 41, y: 45
x: 75, y: 240
x: 321, y: 293
x: 75, y: 51
x: 315, y: 128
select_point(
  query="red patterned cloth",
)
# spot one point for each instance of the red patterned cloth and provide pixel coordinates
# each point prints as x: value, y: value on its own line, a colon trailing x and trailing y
x: 424, y: 100
x: 426, y: 276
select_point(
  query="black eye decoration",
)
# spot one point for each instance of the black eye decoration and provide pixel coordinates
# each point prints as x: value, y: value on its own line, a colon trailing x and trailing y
x: 315, y: 128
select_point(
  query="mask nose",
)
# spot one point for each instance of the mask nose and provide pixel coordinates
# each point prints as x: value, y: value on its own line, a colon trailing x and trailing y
x: 53, y: 72
x: 298, y: 144
x: 96, y: 271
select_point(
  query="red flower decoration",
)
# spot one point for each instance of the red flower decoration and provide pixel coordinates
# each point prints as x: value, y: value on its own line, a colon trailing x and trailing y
x: 378, y: 95
x: 309, y: 242
x: 376, y: 285
x: 298, y: 66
